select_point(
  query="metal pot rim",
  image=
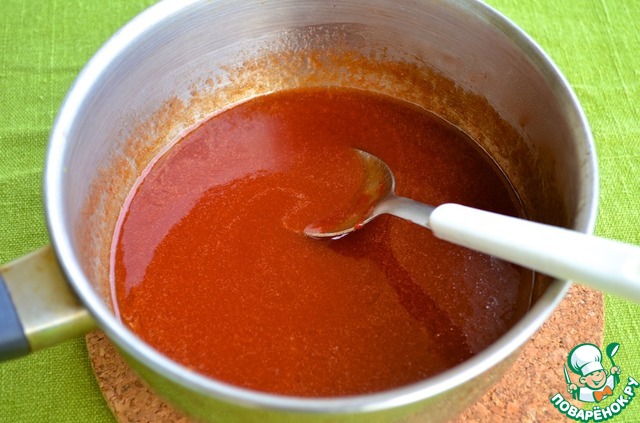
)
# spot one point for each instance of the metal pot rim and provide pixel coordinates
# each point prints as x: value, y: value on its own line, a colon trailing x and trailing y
x: 133, y: 346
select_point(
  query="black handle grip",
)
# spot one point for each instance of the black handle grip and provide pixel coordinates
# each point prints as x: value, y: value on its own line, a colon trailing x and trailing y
x: 13, y: 342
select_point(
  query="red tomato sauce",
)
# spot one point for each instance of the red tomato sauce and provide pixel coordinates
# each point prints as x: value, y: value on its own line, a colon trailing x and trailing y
x: 211, y: 266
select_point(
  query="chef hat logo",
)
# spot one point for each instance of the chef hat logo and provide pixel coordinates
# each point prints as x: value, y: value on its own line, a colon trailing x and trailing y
x: 585, y: 359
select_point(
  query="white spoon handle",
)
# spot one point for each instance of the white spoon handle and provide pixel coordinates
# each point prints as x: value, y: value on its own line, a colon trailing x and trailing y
x: 603, y: 264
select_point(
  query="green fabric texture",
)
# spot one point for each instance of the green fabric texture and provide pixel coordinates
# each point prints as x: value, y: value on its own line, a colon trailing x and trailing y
x: 45, y: 43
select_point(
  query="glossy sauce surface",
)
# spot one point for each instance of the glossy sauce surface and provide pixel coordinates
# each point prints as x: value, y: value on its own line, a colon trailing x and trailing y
x: 210, y: 265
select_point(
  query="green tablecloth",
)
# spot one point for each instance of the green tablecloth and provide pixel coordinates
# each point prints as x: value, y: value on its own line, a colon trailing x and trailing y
x: 45, y: 43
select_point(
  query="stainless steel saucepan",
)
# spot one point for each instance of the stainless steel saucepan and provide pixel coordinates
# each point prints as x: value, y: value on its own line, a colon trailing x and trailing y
x: 180, y: 61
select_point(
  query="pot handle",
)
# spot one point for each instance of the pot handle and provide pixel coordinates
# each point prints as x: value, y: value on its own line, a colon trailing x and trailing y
x: 38, y: 309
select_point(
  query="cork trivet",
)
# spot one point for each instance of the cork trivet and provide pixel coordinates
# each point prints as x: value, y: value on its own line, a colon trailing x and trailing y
x: 521, y: 395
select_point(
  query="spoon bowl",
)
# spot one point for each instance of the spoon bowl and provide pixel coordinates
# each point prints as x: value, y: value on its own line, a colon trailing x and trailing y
x: 376, y: 196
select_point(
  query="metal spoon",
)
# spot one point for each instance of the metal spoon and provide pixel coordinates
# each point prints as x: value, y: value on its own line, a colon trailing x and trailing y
x: 603, y: 264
